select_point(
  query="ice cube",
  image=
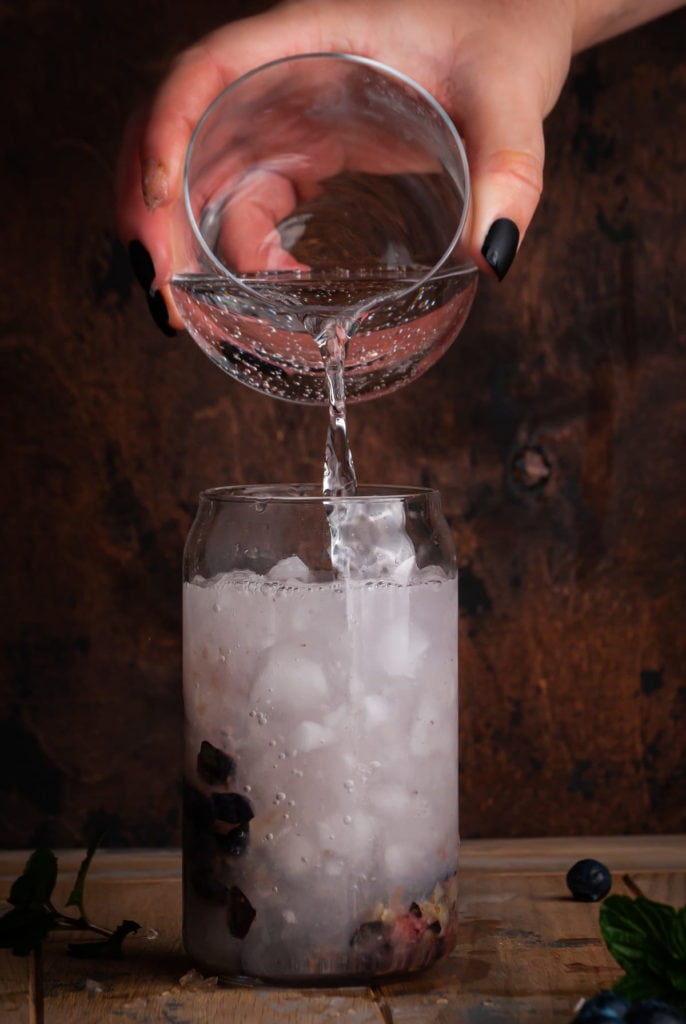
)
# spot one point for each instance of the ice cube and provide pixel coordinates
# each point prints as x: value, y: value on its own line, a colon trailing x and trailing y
x: 293, y: 854
x: 400, y: 648
x: 391, y: 798
x: 310, y: 736
x: 290, y: 682
x: 292, y: 568
x: 432, y: 730
x: 369, y: 539
x: 376, y: 709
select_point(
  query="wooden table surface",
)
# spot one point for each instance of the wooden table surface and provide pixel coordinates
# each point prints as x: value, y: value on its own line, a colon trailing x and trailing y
x: 525, y: 952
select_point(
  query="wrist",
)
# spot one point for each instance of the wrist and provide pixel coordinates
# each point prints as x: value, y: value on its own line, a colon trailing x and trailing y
x: 596, y: 21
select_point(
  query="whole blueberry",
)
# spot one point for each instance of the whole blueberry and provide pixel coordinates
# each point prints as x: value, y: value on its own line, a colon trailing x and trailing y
x: 607, y: 1006
x: 214, y: 766
x: 652, y: 1011
x: 232, y: 808
x: 589, y: 880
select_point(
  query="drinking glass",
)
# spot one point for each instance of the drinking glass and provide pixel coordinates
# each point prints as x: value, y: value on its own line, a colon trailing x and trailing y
x: 320, y: 691
x: 325, y: 195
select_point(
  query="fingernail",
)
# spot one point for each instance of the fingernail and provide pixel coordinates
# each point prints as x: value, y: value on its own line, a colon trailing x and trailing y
x: 159, y: 313
x: 500, y: 246
x: 141, y: 264
x: 155, y: 184
x: 144, y: 272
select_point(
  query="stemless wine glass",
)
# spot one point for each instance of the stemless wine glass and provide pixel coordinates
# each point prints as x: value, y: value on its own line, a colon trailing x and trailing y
x: 323, y: 192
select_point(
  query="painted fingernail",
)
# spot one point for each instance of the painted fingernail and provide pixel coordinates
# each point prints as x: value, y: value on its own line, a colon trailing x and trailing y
x: 141, y: 264
x: 155, y: 184
x: 144, y: 272
x: 160, y: 314
x: 500, y: 246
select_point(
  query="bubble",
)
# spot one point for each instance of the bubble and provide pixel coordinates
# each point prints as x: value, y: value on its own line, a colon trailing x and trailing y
x: 247, y: 789
x: 269, y: 836
x: 347, y: 820
x: 349, y: 784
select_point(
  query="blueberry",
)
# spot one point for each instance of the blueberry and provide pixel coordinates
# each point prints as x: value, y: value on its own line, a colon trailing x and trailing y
x: 372, y: 947
x: 197, y: 809
x: 240, y: 914
x: 652, y: 1011
x: 232, y: 808
x: 607, y: 1006
x: 235, y: 842
x: 589, y: 880
x: 214, y: 766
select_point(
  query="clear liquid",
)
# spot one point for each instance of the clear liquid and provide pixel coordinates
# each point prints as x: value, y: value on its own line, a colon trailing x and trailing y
x: 327, y: 337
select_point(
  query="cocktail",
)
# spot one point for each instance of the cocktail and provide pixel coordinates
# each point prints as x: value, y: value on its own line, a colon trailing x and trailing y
x: 320, y: 679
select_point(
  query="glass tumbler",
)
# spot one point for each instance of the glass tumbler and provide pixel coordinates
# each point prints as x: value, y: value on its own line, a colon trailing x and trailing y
x: 320, y: 191
x: 320, y: 690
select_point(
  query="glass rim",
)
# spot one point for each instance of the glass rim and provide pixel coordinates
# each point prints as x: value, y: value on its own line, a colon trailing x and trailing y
x: 385, y: 69
x: 301, y: 494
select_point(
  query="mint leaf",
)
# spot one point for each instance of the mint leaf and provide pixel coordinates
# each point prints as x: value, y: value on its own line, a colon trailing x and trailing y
x: 647, y: 939
x: 76, y: 894
x: 637, y: 932
x: 677, y: 935
x: 112, y: 946
x: 34, y: 887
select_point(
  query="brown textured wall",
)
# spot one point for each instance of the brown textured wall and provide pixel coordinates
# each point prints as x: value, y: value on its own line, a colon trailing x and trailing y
x: 554, y: 428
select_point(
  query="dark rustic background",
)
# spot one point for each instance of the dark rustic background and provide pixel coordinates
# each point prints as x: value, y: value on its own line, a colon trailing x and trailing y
x: 554, y: 429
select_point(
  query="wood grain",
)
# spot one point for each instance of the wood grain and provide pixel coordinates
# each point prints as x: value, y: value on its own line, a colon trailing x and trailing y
x: 526, y: 952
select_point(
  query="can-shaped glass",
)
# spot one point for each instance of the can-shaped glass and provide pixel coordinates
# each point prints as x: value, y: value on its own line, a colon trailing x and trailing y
x: 320, y: 693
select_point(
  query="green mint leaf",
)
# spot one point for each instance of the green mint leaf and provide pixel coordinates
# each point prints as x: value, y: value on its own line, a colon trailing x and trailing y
x: 76, y: 895
x: 111, y: 946
x: 677, y: 936
x: 637, y: 932
x: 21, y: 930
x: 34, y: 887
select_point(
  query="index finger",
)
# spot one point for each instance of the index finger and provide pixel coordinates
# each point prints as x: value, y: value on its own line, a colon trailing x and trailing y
x: 198, y: 76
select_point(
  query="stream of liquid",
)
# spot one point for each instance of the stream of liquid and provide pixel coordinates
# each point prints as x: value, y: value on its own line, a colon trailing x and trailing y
x: 339, y: 470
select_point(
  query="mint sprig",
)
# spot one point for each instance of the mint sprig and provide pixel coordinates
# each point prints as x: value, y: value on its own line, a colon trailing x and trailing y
x: 648, y: 941
x: 33, y: 914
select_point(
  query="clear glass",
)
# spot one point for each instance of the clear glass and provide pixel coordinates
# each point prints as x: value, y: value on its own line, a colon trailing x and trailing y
x: 320, y: 820
x: 322, y: 192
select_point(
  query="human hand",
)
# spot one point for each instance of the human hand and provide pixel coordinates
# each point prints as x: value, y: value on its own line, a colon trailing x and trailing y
x: 497, y: 66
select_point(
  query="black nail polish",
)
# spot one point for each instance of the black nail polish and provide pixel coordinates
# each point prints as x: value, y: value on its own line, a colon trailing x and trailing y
x: 500, y: 246
x: 141, y: 264
x: 159, y: 313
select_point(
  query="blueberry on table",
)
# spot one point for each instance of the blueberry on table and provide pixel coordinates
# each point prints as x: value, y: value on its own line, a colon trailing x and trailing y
x: 232, y: 808
x: 605, y: 1008
x: 589, y: 880
x: 214, y: 766
x: 652, y: 1011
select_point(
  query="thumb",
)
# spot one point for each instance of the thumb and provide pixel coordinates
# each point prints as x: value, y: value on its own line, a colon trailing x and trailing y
x: 504, y: 138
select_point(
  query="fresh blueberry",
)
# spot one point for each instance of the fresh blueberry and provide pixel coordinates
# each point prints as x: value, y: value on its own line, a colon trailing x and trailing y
x: 589, y: 880
x: 235, y: 842
x: 232, y: 808
x: 214, y: 766
x: 607, y: 1006
x: 652, y: 1011
x: 240, y: 914
x: 373, y: 947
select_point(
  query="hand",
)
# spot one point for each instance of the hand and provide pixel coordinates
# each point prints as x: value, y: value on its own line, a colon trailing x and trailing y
x: 497, y: 66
